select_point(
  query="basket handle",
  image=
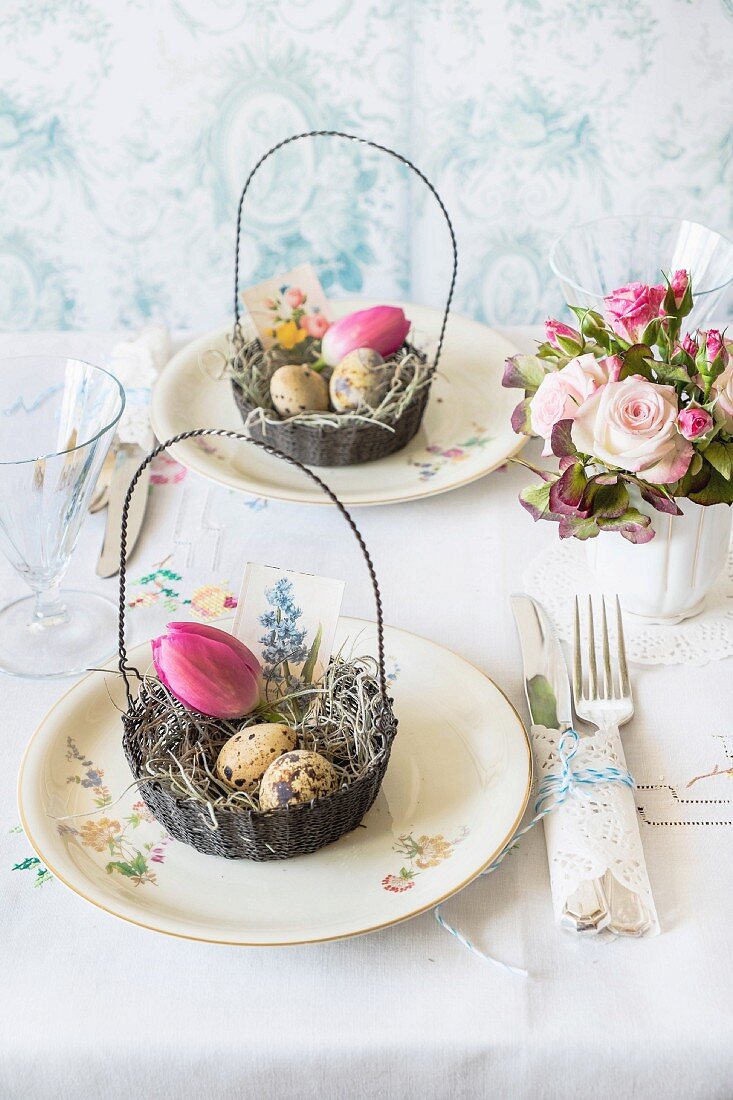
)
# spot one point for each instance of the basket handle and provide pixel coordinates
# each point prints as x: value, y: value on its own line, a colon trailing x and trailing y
x: 124, y: 666
x: 372, y: 145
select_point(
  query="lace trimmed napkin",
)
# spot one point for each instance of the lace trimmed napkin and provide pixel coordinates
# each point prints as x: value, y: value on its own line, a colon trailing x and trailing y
x: 136, y: 363
x: 596, y: 829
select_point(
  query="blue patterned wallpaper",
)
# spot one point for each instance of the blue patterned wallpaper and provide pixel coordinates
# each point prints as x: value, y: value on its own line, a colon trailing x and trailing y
x: 126, y: 130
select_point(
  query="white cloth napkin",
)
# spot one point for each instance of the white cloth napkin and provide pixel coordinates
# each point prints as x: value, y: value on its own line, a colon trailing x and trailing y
x: 136, y: 363
x: 596, y: 829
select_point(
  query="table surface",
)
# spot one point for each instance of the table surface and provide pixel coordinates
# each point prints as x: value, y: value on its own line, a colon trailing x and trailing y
x: 94, y: 1007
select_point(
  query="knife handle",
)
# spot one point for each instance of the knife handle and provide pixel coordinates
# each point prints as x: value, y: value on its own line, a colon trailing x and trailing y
x: 587, y: 910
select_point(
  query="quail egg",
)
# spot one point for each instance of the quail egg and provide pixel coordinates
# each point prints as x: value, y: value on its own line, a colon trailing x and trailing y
x: 246, y: 756
x: 361, y: 378
x: 296, y: 388
x: 298, y: 776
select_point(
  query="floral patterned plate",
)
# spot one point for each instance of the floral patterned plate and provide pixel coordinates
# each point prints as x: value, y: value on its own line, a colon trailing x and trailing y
x: 455, y: 791
x: 466, y: 432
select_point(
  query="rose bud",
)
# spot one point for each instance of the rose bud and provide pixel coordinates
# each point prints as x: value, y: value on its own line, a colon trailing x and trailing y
x: 689, y: 345
x: 632, y: 308
x: 694, y: 422
x: 207, y: 670
x: 714, y: 347
x: 678, y: 285
x: 381, y: 328
x: 563, y: 337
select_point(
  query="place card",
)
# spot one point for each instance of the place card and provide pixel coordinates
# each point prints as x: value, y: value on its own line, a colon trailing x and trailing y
x: 290, y: 312
x: 288, y: 620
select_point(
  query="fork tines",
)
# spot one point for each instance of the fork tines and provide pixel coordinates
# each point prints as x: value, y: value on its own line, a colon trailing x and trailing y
x: 613, y: 687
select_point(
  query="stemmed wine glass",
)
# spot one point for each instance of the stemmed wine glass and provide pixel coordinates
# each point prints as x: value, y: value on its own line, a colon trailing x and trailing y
x: 57, y: 420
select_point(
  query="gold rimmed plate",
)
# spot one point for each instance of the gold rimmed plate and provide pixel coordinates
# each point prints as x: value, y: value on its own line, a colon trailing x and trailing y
x: 455, y: 791
x: 466, y: 432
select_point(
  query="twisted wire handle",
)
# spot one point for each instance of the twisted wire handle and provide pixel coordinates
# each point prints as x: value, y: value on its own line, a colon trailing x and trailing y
x: 223, y: 433
x: 382, y: 149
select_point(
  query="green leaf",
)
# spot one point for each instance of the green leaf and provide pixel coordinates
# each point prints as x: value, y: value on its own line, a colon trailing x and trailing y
x: 310, y: 664
x: 524, y: 372
x: 639, y: 359
x: 567, y: 492
x: 610, y: 501
x: 720, y: 457
x: 578, y: 527
x: 668, y: 374
x: 536, y: 499
x: 542, y: 702
x: 561, y: 439
x: 717, y: 489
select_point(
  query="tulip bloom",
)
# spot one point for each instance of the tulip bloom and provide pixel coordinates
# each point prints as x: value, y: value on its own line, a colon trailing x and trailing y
x: 381, y: 328
x: 207, y: 670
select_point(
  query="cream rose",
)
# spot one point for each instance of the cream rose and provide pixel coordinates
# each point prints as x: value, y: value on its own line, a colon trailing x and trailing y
x: 633, y: 425
x: 561, y: 393
x: 723, y: 390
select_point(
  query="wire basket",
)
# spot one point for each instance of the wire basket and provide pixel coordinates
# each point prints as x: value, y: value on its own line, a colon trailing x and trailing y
x: 243, y: 833
x: 338, y: 440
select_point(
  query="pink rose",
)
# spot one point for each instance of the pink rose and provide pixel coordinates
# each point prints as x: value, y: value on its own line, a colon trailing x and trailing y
x: 688, y: 345
x: 694, y: 422
x: 562, y: 392
x: 294, y: 297
x: 633, y: 425
x: 723, y: 392
x: 556, y: 329
x: 315, y: 324
x: 611, y: 366
x: 679, y: 284
x: 715, y: 346
x: 632, y: 307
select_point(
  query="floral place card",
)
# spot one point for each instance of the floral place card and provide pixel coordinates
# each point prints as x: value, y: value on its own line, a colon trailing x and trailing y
x: 288, y: 620
x: 290, y: 312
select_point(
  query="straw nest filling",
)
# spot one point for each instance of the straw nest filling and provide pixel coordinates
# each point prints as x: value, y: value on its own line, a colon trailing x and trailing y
x: 339, y: 717
x: 252, y: 368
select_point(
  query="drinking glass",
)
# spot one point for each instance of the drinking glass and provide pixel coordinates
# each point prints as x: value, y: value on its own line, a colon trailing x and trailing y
x: 592, y: 259
x: 57, y: 419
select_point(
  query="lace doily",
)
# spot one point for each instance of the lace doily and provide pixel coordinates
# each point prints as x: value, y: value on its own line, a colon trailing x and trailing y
x: 596, y: 831
x: 560, y: 573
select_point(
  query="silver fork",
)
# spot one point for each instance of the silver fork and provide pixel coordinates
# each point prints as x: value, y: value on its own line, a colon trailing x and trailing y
x: 608, y: 704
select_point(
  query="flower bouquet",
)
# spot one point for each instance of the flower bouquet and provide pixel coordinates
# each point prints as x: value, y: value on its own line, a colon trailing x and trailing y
x: 639, y: 414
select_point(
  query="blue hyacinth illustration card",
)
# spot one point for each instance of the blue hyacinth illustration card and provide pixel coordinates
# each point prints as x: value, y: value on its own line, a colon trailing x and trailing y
x: 288, y: 620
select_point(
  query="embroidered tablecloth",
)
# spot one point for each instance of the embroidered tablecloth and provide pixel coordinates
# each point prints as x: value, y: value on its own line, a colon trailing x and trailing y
x: 95, y: 1008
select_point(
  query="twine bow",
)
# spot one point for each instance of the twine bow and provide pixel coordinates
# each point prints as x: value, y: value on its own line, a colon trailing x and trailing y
x: 556, y: 788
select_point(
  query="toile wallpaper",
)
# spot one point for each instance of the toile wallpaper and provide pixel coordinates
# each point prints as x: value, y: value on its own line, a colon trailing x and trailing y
x: 127, y: 129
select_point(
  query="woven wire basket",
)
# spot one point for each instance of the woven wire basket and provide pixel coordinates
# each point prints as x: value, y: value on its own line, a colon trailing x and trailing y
x: 341, y: 441
x: 242, y: 833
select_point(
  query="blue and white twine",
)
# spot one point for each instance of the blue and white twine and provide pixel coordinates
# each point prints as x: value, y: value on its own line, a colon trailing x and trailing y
x: 555, y: 789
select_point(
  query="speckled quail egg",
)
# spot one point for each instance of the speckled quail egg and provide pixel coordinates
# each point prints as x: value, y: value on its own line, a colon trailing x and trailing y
x: 245, y: 758
x: 361, y: 378
x: 297, y: 777
x: 296, y: 388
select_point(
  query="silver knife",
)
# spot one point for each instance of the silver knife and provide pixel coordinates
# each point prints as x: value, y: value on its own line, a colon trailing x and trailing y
x: 547, y: 687
x: 129, y: 457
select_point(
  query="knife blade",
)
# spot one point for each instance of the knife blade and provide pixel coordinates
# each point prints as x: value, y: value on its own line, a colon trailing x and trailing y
x: 547, y: 687
x: 129, y: 457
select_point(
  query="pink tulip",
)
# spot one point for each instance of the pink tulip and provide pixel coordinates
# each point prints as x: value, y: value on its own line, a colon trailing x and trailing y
x: 207, y: 670
x: 294, y: 297
x: 694, y: 422
x: 381, y: 328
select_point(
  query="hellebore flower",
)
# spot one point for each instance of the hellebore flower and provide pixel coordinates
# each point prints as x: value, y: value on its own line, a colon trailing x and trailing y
x: 381, y: 328
x: 207, y: 670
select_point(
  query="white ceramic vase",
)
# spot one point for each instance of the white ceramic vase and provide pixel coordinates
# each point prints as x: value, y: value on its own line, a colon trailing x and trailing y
x: 665, y: 580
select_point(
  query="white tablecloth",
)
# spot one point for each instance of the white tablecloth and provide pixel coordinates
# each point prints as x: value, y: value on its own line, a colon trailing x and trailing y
x: 95, y: 1008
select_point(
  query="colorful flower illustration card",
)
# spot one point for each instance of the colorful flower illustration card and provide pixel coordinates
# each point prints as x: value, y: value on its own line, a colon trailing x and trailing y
x: 290, y: 312
x: 288, y: 620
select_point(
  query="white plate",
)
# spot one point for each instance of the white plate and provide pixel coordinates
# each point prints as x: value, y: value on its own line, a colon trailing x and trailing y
x: 466, y: 432
x: 455, y: 791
